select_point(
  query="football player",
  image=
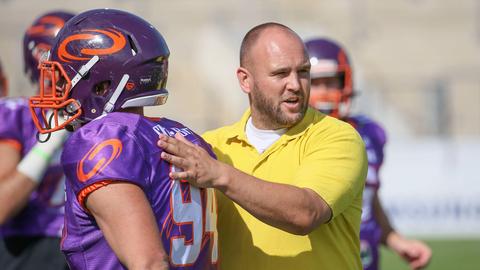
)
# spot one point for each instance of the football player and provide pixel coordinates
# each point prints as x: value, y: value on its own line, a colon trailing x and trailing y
x: 31, y: 178
x: 331, y: 93
x: 123, y: 211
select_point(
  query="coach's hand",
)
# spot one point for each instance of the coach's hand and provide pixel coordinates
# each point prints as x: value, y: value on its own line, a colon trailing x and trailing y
x: 195, y: 164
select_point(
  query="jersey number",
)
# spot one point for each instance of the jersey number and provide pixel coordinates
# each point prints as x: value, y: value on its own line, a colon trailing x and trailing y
x: 203, y: 221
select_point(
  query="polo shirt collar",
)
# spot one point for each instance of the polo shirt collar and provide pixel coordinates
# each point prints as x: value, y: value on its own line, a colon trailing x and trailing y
x: 238, y: 129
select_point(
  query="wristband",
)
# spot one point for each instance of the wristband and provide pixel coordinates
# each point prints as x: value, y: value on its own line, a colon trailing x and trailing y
x: 35, y: 163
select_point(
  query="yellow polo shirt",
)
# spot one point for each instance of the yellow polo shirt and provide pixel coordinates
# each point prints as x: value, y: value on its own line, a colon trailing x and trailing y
x: 321, y: 153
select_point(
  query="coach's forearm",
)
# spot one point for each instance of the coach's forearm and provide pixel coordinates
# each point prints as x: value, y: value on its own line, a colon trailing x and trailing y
x: 289, y: 208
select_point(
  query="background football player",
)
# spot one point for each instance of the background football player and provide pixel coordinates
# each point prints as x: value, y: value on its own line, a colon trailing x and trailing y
x: 31, y: 178
x: 122, y: 209
x: 331, y: 93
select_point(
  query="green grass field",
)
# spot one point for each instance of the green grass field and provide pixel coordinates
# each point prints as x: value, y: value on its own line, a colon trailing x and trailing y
x: 447, y: 255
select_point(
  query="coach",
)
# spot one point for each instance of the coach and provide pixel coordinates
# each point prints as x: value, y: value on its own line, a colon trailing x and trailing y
x: 290, y: 185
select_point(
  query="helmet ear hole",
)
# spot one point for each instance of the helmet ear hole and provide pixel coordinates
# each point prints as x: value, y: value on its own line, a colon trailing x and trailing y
x: 101, y: 88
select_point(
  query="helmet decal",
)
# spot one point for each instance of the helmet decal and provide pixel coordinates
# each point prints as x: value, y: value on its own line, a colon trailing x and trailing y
x: 130, y: 86
x: 117, y: 38
x: 46, y: 26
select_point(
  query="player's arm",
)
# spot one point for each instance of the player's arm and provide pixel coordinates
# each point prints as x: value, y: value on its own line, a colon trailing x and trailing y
x: 15, y: 188
x: 20, y: 177
x: 415, y: 252
x: 382, y: 219
x: 126, y: 219
x: 290, y: 208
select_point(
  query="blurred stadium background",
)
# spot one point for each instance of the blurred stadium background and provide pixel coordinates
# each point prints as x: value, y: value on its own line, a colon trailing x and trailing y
x: 417, y: 70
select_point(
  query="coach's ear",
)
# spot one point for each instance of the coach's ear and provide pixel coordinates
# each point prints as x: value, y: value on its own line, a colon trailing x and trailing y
x: 245, y: 80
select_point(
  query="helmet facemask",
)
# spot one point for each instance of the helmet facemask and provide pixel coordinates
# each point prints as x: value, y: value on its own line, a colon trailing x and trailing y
x: 331, y: 92
x: 54, y: 98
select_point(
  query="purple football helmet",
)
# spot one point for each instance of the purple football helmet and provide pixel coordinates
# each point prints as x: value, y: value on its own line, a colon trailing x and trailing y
x: 330, y: 60
x: 104, y: 60
x: 39, y: 38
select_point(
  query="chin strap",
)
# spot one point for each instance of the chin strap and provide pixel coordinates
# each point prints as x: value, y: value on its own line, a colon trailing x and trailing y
x: 84, y: 70
x: 116, y: 94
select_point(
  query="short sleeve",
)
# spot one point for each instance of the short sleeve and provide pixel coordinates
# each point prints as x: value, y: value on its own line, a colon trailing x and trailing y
x: 101, y: 153
x: 335, y: 167
x: 211, y: 138
x: 202, y: 143
x: 11, y: 116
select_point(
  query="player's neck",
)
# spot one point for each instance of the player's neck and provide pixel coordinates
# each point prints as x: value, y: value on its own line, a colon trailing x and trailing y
x: 136, y: 110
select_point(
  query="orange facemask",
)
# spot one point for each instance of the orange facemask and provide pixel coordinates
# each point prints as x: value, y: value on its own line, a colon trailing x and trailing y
x: 55, y: 88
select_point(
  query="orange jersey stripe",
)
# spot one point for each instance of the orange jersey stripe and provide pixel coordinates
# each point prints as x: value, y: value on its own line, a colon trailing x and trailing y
x: 14, y: 143
x: 83, y: 194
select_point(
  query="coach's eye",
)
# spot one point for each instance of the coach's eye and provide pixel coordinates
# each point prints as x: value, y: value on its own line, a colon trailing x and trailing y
x: 280, y: 74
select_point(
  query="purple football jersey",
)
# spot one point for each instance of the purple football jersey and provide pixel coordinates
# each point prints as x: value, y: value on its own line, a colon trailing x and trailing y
x: 122, y: 147
x: 43, y: 214
x: 370, y: 232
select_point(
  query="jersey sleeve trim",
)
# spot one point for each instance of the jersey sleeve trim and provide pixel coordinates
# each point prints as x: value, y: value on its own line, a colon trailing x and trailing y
x: 83, y: 194
x: 13, y: 143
